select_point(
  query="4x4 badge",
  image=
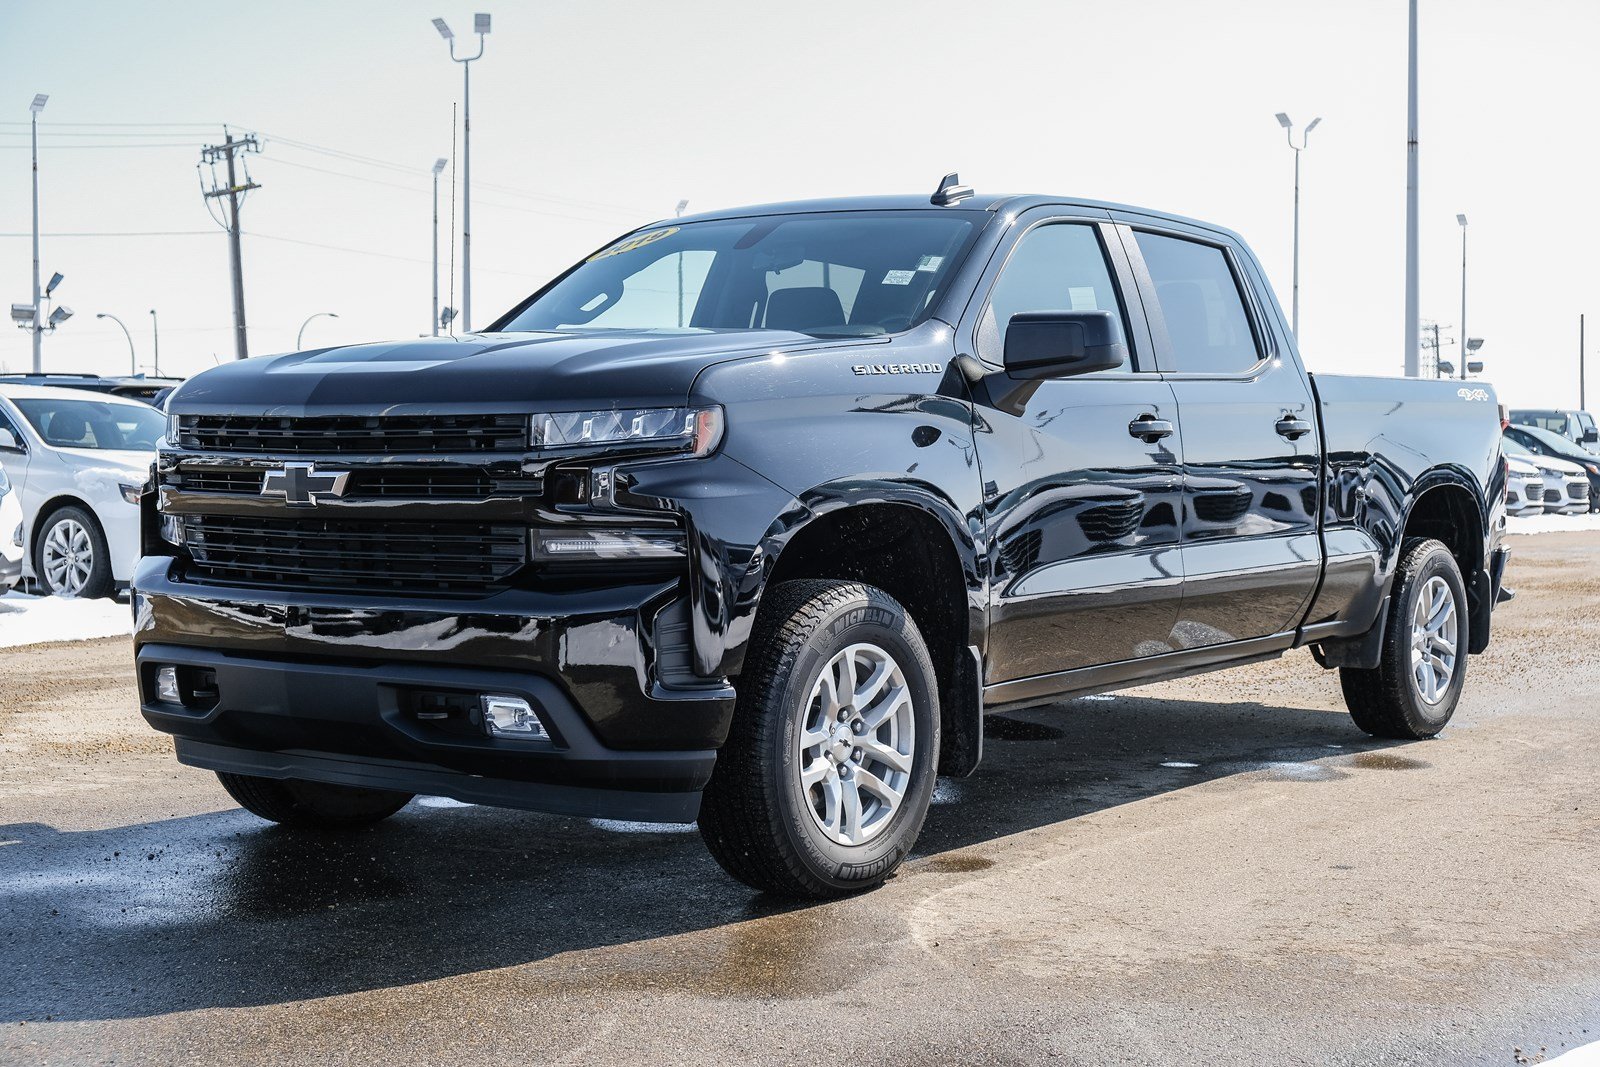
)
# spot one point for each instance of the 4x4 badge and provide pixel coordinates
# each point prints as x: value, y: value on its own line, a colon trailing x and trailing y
x: 300, y: 484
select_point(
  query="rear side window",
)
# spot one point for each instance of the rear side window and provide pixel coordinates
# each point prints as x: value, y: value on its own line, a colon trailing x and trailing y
x: 1207, y: 324
x: 1056, y: 267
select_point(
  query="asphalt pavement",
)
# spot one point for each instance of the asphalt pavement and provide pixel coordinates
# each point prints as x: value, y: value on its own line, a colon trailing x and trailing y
x: 1216, y: 870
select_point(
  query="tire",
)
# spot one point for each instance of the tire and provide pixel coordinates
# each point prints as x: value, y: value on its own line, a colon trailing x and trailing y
x: 767, y: 826
x: 68, y: 537
x: 1391, y: 699
x: 311, y: 805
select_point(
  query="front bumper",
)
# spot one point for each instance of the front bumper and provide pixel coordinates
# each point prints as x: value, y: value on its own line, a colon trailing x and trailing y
x: 322, y: 686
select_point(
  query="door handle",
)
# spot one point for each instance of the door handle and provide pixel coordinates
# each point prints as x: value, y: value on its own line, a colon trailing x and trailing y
x: 1293, y: 428
x: 1149, y: 429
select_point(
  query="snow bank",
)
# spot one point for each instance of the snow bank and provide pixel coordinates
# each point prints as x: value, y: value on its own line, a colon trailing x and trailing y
x: 33, y: 620
x: 1537, y: 524
x: 1585, y: 1056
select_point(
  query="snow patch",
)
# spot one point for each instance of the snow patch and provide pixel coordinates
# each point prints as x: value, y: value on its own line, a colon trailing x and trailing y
x: 34, y: 620
x: 1179, y: 763
x: 443, y: 802
x: 1538, y: 524
x: 618, y: 826
x: 1583, y: 1056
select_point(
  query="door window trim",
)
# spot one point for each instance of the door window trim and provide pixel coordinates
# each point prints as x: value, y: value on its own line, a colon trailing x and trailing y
x: 1266, y: 343
x: 1142, y: 359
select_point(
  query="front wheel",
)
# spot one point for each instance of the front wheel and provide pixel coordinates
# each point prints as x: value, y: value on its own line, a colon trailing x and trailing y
x: 1413, y: 691
x: 827, y: 774
x: 71, y: 558
x: 311, y: 805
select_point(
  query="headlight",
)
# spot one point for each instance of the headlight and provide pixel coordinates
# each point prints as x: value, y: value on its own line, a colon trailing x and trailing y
x: 1593, y: 468
x: 172, y: 429
x: 696, y: 431
x: 131, y: 493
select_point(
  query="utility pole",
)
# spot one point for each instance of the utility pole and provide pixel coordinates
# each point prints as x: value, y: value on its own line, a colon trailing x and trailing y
x: 155, y: 341
x: 1305, y: 139
x: 34, y: 108
x: 1581, y: 405
x: 678, y: 214
x: 1413, y: 287
x: 234, y: 193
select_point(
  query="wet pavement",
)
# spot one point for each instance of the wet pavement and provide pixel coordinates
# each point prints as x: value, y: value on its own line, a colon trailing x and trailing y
x: 1220, y: 869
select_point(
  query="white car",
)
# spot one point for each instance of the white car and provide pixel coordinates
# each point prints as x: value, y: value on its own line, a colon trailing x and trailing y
x: 10, y: 533
x: 1566, y: 485
x: 1524, y: 487
x: 78, y: 461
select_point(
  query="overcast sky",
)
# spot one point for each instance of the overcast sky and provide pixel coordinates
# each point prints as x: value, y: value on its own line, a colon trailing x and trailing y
x: 592, y: 117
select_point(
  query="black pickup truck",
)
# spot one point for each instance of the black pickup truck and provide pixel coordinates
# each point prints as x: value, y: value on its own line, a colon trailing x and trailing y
x: 750, y: 517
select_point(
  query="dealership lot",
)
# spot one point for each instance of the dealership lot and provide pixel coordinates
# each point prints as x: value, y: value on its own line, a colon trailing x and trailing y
x: 1219, y: 869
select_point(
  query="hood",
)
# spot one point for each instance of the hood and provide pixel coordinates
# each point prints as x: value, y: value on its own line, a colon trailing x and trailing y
x: 109, y: 461
x: 1521, y: 467
x: 509, y: 372
x: 1563, y: 467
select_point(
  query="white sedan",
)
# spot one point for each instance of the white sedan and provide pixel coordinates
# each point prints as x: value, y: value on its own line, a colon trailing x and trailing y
x: 1524, y: 487
x: 10, y: 533
x: 77, y: 460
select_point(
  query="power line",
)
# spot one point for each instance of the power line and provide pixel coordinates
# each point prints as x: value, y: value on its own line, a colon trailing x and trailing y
x: 119, y: 233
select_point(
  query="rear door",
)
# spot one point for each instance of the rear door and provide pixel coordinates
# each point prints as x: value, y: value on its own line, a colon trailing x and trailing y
x: 1082, y: 476
x: 1251, y: 549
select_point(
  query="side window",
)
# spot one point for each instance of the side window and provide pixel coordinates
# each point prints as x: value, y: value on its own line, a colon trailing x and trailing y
x: 8, y: 425
x: 1200, y: 301
x: 1055, y: 267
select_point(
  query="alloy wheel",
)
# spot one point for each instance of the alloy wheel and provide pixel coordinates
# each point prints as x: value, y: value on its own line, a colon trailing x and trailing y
x: 1433, y: 640
x: 68, y: 558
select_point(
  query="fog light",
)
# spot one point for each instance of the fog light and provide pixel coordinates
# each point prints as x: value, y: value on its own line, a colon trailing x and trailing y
x: 167, y: 686
x: 506, y: 716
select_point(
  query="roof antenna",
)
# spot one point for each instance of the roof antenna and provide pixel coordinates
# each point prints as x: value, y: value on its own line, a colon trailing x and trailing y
x: 950, y: 191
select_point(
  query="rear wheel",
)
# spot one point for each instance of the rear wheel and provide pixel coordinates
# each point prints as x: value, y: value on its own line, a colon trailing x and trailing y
x: 311, y: 805
x: 70, y: 556
x: 1413, y: 691
x: 826, y: 777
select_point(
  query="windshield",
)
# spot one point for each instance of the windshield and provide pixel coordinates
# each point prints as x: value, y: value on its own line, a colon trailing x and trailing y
x: 72, y: 423
x: 1556, y: 443
x: 1513, y: 447
x: 845, y: 274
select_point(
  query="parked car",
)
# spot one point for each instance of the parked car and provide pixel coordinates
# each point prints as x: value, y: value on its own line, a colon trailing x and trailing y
x: 133, y: 386
x: 11, y: 542
x: 1576, y: 426
x: 1548, y: 444
x: 1524, y: 485
x: 1565, y: 484
x: 78, y: 460
x: 767, y: 560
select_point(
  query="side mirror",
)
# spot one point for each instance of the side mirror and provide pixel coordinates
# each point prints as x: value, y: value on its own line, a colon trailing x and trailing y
x: 1591, y: 436
x: 1062, y: 344
x: 9, y: 442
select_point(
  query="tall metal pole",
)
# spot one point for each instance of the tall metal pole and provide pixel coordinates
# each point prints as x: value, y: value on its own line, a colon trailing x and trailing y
x: 466, y: 196
x: 1581, y: 405
x: 437, y: 167
x: 678, y: 214
x: 38, y: 326
x: 1463, y: 220
x: 1296, y: 299
x: 1413, y: 287
x: 155, y: 340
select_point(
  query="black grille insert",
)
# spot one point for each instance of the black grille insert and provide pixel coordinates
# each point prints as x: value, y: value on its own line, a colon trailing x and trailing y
x: 365, y: 556
x: 337, y: 434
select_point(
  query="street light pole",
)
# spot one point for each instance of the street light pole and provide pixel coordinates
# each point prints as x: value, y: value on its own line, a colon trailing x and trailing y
x: 155, y: 337
x: 480, y: 26
x: 1413, y: 286
x: 438, y: 168
x: 1305, y: 139
x: 133, y: 359
x: 300, y: 336
x: 38, y: 327
x: 1462, y: 219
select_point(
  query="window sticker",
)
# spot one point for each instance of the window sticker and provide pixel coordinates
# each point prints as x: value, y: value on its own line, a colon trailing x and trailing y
x: 899, y: 277
x: 929, y: 264
x: 628, y: 244
x: 1082, y: 297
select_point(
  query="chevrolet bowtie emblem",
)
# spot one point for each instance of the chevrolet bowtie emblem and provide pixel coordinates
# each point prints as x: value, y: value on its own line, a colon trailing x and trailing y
x: 300, y: 484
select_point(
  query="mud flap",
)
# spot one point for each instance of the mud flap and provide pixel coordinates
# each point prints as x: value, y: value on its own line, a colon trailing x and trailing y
x: 961, y: 748
x: 1363, y: 652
